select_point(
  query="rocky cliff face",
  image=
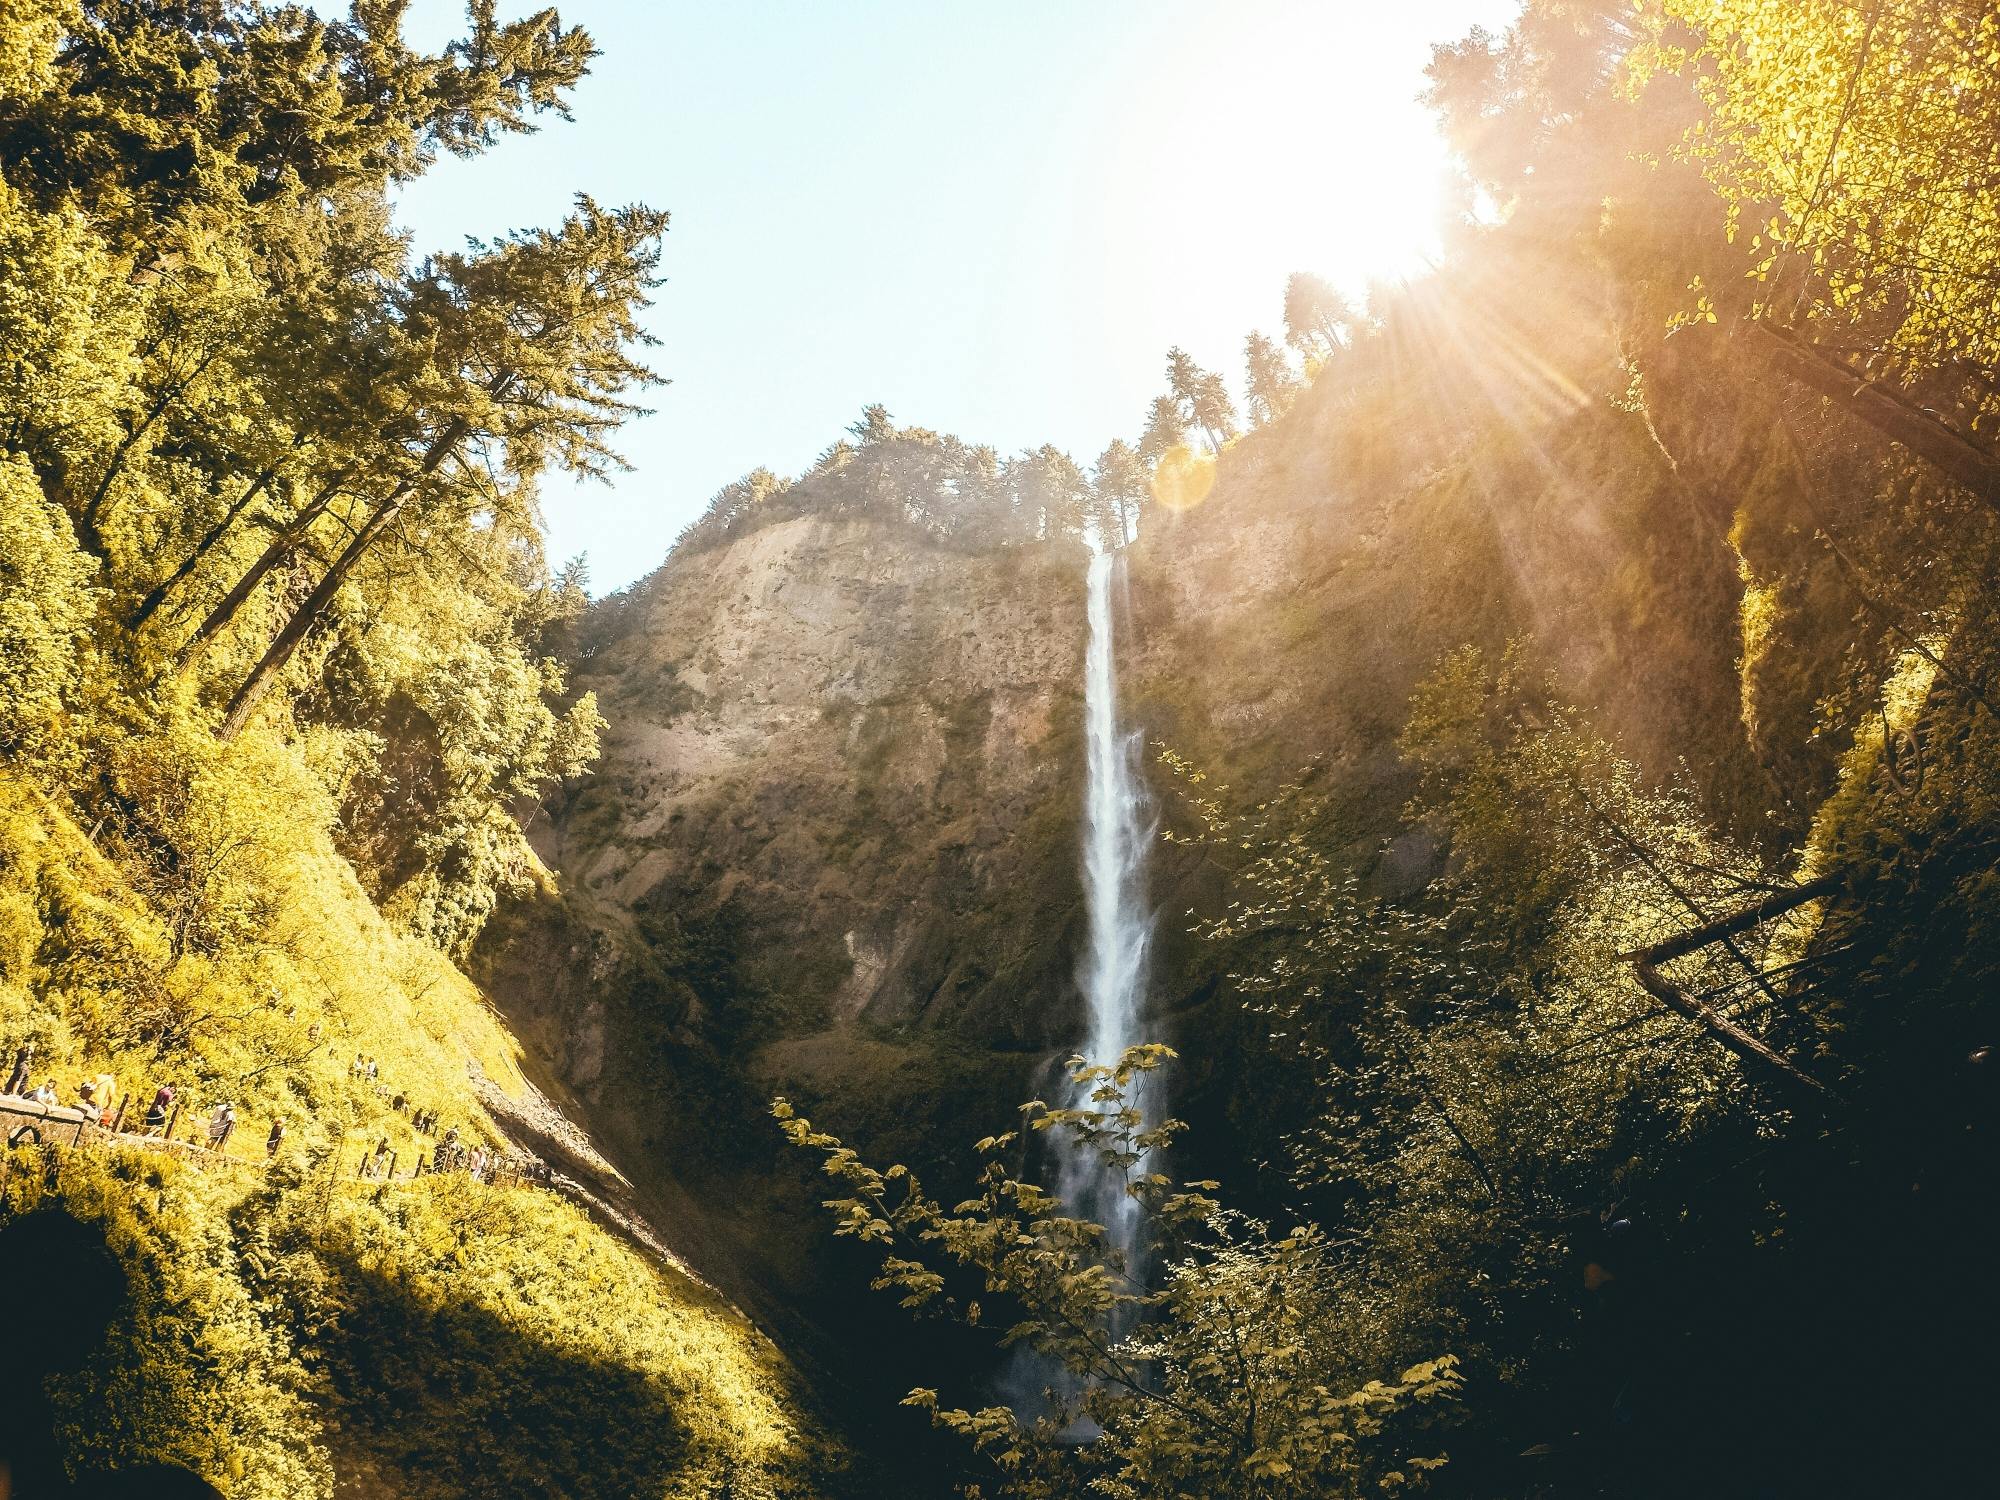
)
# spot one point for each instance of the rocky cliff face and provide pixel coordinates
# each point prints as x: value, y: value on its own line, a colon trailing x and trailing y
x: 833, y: 834
x: 831, y: 848
x: 862, y: 742
x: 830, y: 852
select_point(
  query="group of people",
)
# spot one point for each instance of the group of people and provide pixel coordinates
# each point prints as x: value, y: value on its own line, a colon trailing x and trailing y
x: 221, y: 1122
x: 422, y: 1121
x: 98, y: 1096
x: 452, y: 1155
x: 95, y: 1096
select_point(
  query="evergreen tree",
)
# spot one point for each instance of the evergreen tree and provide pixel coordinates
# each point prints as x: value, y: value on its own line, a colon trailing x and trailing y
x: 1317, y: 318
x: 1118, y: 488
x: 1053, y: 495
x: 1183, y: 379
x: 1269, y: 378
x: 983, y: 508
x: 1202, y: 397
x: 525, y: 365
x: 874, y: 426
x: 1166, y: 429
x: 1214, y: 411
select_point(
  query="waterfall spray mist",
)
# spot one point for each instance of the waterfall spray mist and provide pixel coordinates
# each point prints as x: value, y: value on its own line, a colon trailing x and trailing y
x: 1118, y: 831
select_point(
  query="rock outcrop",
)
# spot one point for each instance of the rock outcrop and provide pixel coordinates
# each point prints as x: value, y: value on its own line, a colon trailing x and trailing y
x: 861, y: 741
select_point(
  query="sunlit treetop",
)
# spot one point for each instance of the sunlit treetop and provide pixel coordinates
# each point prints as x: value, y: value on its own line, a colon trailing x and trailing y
x: 1858, y: 145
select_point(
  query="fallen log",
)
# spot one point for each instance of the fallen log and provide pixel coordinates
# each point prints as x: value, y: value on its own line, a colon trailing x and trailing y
x: 1885, y: 409
x: 1646, y: 962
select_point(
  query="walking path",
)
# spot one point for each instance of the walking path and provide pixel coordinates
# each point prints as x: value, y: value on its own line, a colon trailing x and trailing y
x: 549, y: 1151
x: 70, y: 1126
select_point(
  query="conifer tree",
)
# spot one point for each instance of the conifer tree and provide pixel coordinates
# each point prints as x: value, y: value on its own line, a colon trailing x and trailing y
x: 1118, y: 488
x: 1202, y: 397
x: 1214, y: 410
x: 1166, y: 429
x: 523, y: 364
x: 1317, y: 318
x: 1269, y: 379
x: 1053, y: 495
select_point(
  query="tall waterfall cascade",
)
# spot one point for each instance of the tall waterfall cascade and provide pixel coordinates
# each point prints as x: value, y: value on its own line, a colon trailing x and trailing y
x: 1118, y: 831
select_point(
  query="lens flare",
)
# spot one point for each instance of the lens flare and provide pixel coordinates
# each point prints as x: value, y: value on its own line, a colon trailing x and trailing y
x: 1183, y: 478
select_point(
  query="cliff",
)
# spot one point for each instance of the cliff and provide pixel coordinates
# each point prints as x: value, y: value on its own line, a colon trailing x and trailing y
x: 861, y: 741
x: 830, y: 851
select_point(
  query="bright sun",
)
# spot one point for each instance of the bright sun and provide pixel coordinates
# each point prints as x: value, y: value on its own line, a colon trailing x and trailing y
x: 1289, y: 137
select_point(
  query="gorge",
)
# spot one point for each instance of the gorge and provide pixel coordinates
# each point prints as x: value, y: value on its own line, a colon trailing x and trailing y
x: 1514, y: 775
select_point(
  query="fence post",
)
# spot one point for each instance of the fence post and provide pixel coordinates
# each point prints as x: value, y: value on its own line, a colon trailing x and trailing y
x: 118, y: 1120
x: 173, y: 1119
x: 390, y: 1175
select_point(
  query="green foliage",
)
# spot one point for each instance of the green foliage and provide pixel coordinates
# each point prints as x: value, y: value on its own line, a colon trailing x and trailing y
x: 196, y: 1370
x: 266, y: 431
x: 229, y: 951
x: 1483, y: 1071
x: 1211, y: 1377
x: 254, y: 455
x: 277, y: 1332
x: 1851, y: 144
x: 46, y: 603
x: 955, y: 492
x: 451, y: 1312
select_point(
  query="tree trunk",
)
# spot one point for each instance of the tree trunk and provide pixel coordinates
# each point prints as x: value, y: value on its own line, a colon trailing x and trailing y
x: 1800, y: 1085
x: 86, y: 524
x: 1774, y: 905
x: 1886, y: 410
x: 1645, y: 968
x: 314, y: 605
x: 303, y: 618
x: 150, y: 605
x: 281, y: 547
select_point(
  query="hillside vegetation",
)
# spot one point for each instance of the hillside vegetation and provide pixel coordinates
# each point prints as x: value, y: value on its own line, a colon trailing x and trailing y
x: 275, y: 667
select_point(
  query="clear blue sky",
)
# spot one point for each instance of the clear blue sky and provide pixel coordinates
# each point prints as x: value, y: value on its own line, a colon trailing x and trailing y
x: 993, y: 218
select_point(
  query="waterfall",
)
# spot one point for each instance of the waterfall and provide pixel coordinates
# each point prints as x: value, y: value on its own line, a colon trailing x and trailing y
x: 1118, y: 829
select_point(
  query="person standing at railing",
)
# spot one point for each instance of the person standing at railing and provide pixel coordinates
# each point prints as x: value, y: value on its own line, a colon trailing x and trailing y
x: 157, y: 1111
x: 220, y: 1124
x: 24, y: 1059
x: 275, y: 1139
